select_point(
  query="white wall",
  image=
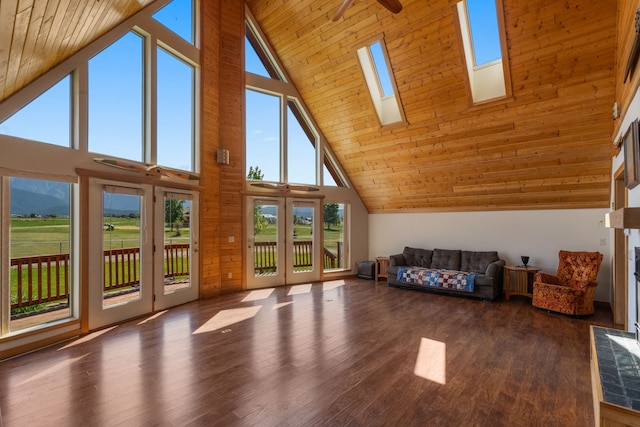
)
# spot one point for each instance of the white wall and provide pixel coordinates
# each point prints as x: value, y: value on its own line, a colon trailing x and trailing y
x: 538, y: 234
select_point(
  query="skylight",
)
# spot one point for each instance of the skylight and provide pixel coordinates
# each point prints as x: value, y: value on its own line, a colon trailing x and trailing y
x: 485, y: 38
x: 379, y: 78
x: 381, y: 69
x: 481, y: 29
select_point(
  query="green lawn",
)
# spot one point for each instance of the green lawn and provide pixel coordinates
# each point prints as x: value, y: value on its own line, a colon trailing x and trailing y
x: 37, y: 236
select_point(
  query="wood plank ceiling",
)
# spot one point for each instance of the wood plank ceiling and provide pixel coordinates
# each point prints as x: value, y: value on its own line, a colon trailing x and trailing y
x: 548, y: 146
x: 36, y: 35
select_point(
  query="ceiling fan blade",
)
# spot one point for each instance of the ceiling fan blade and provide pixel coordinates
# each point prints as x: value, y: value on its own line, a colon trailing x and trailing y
x: 345, y: 5
x: 285, y: 188
x: 130, y: 166
x: 174, y: 173
x: 266, y: 185
x: 306, y: 188
x: 394, y: 6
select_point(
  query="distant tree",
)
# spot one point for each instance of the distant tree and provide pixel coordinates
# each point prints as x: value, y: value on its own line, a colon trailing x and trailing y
x: 255, y: 174
x: 331, y: 216
x: 174, y: 214
x: 259, y: 221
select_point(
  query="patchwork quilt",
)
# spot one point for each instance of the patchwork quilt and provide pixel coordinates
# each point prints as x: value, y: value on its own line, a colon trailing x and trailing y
x: 448, y: 279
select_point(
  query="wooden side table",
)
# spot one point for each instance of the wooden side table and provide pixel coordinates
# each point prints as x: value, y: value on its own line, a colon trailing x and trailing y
x: 523, y: 283
x: 381, y: 267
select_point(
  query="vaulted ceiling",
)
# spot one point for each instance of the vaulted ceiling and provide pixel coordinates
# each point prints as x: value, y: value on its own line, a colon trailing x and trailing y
x: 546, y: 146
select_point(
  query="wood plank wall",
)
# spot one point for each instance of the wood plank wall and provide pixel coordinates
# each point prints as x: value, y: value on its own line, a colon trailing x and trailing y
x: 222, y: 126
x: 625, y: 36
x: 546, y: 147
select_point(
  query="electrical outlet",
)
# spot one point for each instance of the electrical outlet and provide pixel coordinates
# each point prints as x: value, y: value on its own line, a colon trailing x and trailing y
x: 232, y: 239
x: 603, y: 242
x: 229, y: 275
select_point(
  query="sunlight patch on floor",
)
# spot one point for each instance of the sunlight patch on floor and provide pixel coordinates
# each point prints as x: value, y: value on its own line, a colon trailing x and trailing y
x: 258, y: 294
x: 431, y: 363
x: 333, y: 284
x: 300, y: 289
x: 53, y: 369
x: 281, y: 304
x: 89, y: 337
x: 226, y: 318
x: 158, y: 314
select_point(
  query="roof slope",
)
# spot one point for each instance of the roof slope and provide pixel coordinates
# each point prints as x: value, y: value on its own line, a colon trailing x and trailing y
x: 548, y: 146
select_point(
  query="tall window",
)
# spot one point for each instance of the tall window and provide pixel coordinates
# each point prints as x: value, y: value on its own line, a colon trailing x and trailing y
x: 41, y: 281
x: 280, y: 137
x: 263, y: 134
x: 116, y: 99
x: 176, y: 112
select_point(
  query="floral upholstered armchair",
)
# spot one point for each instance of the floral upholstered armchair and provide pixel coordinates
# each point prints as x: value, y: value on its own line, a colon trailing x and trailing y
x: 571, y: 290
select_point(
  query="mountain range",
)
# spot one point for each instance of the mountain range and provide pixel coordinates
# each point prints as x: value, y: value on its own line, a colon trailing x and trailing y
x: 42, y: 198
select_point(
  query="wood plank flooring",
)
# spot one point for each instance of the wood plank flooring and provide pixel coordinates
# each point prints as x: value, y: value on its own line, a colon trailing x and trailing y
x: 340, y: 353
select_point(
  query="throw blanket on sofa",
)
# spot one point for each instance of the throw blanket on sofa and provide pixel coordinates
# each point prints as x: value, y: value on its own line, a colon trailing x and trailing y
x: 437, y: 278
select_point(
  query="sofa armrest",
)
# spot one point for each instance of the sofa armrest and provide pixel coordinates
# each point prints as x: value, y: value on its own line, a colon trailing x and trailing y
x: 396, y: 260
x: 495, y: 269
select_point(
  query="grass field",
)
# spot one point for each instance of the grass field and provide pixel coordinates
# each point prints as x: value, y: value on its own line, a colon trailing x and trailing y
x: 37, y: 236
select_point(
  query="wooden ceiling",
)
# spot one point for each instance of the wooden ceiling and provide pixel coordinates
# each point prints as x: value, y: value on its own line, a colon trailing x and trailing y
x: 548, y: 146
x: 36, y: 35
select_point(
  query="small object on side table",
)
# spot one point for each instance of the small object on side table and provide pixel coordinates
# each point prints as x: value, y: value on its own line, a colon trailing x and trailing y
x: 381, y: 267
x: 523, y: 280
x: 525, y: 261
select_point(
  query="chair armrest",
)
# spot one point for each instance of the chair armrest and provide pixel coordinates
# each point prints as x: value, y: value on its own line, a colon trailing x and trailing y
x: 396, y: 260
x: 547, y: 278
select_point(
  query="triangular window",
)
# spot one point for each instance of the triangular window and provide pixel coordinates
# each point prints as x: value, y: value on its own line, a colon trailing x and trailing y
x: 257, y: 58
x: 178, y: 17
x: 45, y: 119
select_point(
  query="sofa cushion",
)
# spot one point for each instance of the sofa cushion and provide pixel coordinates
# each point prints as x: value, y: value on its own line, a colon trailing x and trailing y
x: 446, y: 258
x: 477, y: 262
x: 417, y: 257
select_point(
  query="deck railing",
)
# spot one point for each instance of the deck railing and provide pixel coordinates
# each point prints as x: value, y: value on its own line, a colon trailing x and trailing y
x: 45, y: 278
x: 42, y: 279
x: 266, y: 258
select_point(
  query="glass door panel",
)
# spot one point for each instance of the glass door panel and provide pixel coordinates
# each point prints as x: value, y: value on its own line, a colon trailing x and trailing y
x: 121, y: 241
x: 281, y: 247
x: 121, y: 251
x: 176, y: 265
x: 303, y: 248
x: 265, y: 246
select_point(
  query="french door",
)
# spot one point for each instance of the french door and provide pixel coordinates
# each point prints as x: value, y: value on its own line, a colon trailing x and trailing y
x: 141, y: 250
x: 284, y: 241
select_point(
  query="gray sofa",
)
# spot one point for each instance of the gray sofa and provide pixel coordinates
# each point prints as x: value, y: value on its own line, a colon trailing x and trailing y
x: 486, y: 268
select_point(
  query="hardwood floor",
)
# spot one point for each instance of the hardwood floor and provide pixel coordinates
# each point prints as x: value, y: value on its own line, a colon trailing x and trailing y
x: 340, y: 353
